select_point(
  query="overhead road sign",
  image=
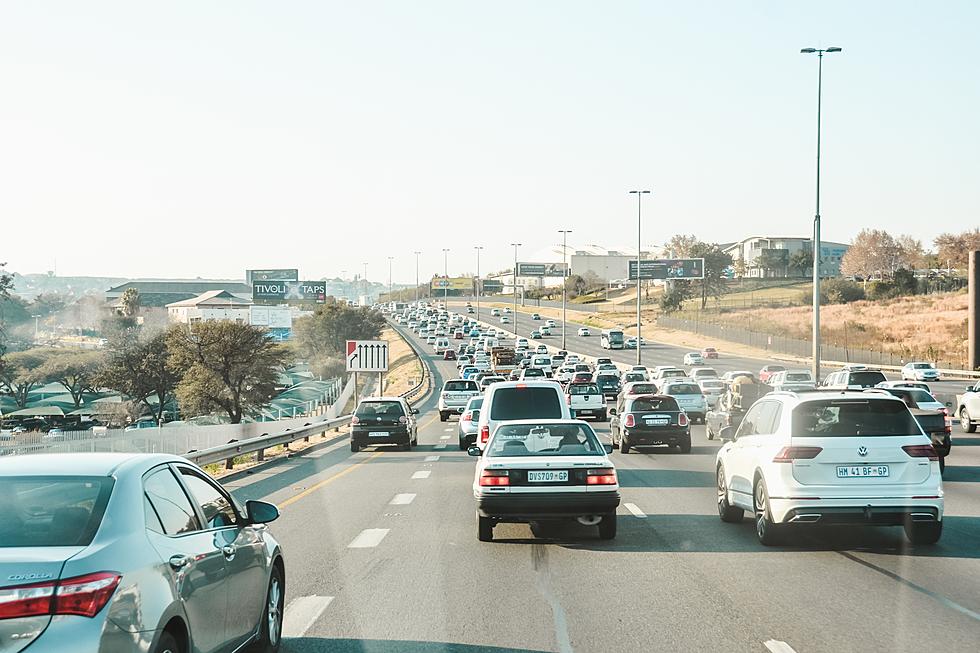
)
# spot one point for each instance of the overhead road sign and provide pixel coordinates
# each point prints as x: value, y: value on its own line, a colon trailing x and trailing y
x: 367, y: 355
x: 462, y: 284
x: 307, y: 292
x: 282, y: 274
x: 542, y: 270
x: 668, y: 268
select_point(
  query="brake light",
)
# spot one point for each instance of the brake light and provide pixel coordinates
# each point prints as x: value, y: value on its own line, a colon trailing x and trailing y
x: 682, y: 419
x: 467, y: 417
x: 484, y: 433
x: 603, y: 476
x: 921, y: 451
x: 789, y: 454
x: 354, y: 421
x: 494, y: 478
x: 82, y: 595
x: 630, y: 421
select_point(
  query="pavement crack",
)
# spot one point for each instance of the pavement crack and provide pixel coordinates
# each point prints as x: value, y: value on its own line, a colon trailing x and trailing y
x: 539, y: 561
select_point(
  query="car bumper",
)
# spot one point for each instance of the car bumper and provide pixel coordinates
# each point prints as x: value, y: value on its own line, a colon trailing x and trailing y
x: 545, y: 505
x: 589, y: 411
x: 641, y: 437
x: 883, y: 512
x: 364, y: 437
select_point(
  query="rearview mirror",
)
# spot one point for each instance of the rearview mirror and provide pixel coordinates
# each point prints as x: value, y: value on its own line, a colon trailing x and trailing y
x: 474, y: 451
x: 608, y: 448
x: 261, y: 512
x: 727, y: 434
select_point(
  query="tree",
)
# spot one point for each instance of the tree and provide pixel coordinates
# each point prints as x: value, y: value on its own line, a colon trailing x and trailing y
x: 224, y: 366
x: 873, y: 253
x: 75, y: 370
x: 955, y: 248
x: 325, y: 333
x: 673, y: 299
x: 680, y: 246
x: 47, y: 304
x: 801, y: 261
x: 911, y: 254
x: 22, y: 372
x: 6, y: 283
x: 137, y: 366
x: 715, y: 263
x: 129, y: 303
x: 741, y: 269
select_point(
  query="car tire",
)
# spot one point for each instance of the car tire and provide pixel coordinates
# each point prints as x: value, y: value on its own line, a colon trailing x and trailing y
x: 484, y: 529
x: 923, y: 532
x: 354, y: 447
x: 443, y: 416
x: 624, y: 445
x: 607, y: 527
x: 463, y: 445
x: 167, y: 644
x: 768, y: 531
x: 942, y: 465
x: 966, y: 423
x: 726, y: 511
x: 685, y: 445
x: 270, y: 630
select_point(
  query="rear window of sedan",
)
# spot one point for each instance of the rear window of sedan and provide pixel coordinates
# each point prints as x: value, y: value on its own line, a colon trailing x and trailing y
x: 853, y: 417
x: 646, y: 404
x: 798, y: 376
x: 683, y: 389
x: 526, y: 403
x: 583, y: 389
x: 380, y: 409
x: 865, y: 379
x: 544, y: 440
x: 460, y: 386
x: 51, y: 510
x: 643, y: 388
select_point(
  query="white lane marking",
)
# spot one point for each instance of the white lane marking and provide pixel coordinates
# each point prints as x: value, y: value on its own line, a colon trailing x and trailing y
x: 301, y: 613
x: 443, y: 437
x: 635, y: 510
x: 440, y: 446
x: 431, y: 459
x: 402, y: 499
x: 421, y: 474
x: 777, y: 646
x: 368, y: 538
x: 449, y: 430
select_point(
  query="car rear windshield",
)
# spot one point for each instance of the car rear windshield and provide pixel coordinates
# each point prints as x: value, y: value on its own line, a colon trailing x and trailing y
x: 526, y: 403
x: 683, y: 389
x: 646, y: 404
x: 51, y: 510
x: 798, y: 376
x: 917, y: 396
x: 632, y: 377
x: 460, y: 386
x: 533, y: 371
x: 922, y: 366
x: 544, y: 440
x: 865, y: 379
x: 669, y: 373
x: 380, y: 409
x: 853, y: 417
x: 583, y: 389
x: 643, y: 388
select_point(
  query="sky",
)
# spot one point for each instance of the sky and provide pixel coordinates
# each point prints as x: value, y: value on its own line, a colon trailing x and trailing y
x: 197, y: 139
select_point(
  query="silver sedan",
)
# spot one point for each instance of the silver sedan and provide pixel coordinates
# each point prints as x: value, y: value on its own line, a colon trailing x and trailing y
x: 133, y: 552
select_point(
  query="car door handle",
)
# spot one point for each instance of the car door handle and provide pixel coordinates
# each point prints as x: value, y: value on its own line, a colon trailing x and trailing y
x: 179, y: 561
x: 229, y: 551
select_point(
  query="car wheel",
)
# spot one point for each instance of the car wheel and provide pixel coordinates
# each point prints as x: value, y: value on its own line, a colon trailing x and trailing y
x: 624, y: 444
x: 766, y: 530
x: 966, y: 423
x: 463, y: 446
x: 167, y: 644
x: 727, y: 512
x: 353, y: 447
x: 685, y: 445
x: 942, y: 465
x: 484, y: 529
x: 271, y: 627
x: 443, y: 416
x: 607, y: 527
x: 923, y: 532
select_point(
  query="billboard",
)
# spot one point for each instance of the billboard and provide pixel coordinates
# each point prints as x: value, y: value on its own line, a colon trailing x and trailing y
x: 278, y: 292
x: 286, y: 274
x: 492, y: 285
x: 272, y: 317
x: 542, y: 270
x: 460, y: 284
x: 668, y: 268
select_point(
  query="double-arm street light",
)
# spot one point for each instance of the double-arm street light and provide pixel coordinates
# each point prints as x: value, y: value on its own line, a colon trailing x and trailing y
x: 564, y: 249
x: 445, y: 263
x: 390, y: 289
x: 417, y: 277
x: 515, y: 245
x: 639, y: 214
x: 478, y: 280
x: 816, y: 218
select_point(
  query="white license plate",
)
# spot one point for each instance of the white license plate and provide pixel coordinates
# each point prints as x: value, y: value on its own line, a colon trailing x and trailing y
x: 862, y: 471
x: 547, y: 477
x: 378, y: 434
x: 662, y: 421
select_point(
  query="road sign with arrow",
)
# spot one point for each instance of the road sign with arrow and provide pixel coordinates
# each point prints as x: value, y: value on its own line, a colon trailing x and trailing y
x: 367, y: 355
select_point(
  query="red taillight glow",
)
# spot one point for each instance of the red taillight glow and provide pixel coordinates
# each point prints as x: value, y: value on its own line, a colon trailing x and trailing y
x: 630, y: 421
x: 682, y: 419
x: 494, y: 478
x: 789, y: 454
x: 467, y: 417
x: 921, y: 451
x: 604, y: 476
x: 82, y: 595
x: 484, y: 433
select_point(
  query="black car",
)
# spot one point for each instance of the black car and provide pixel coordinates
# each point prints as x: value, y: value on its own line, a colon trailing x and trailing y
x: 609, y: 385
x: 650, y: 420
x: 384, y: 420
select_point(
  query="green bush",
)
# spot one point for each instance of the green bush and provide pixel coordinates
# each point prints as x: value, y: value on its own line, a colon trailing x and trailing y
x: 840, y: 291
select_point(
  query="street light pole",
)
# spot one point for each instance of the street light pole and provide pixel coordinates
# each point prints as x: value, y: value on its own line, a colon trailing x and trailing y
x: 390, y: 288
x: 516, y: 245
x: 816, y: 218
x: 417, y: 278
x: 478, y: 280
x: 364, y: 279
x: 639, y: 214
x: 564, y: 278
x: 445, y: 262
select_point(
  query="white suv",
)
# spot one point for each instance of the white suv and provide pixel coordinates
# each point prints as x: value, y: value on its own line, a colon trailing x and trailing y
x: 518, y: 400
x: 830, y: 458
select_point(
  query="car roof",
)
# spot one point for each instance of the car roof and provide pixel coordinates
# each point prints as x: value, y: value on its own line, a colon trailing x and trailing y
x: 824, y: 395
x: 375, y: 399
x: 521, y: 422
x: 79, y: 464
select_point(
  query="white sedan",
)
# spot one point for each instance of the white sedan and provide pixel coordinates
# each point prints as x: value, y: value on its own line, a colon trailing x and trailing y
x: 584, y: 332
x: 533, y: 470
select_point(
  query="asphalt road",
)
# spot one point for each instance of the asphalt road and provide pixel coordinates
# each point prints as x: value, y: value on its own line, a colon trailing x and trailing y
x: 382, y: 555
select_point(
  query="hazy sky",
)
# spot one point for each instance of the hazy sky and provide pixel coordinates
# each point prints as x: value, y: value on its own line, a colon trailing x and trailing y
x: 200, y: 138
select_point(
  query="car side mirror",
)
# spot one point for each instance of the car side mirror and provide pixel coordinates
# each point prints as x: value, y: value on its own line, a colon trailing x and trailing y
x: 727, y: 434
x: 607, y: 447
x: 949, y: 404
x: 969, y: 388
x: 261, y: 512
x: 474, y: 451
x: 612, y: 411
x: 415, y: 411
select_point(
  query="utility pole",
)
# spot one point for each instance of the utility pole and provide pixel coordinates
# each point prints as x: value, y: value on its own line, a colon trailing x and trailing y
x: 417, y: 278
x: 390, y: 288
x: 445, y: 263
x: 478, y: 280
x: 564, y: 278
x: 639, y: 251
x: 516, y: 245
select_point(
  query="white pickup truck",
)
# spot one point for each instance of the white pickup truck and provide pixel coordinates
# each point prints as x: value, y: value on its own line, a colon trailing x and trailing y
x: 455, y: 394
x: 586, y: 399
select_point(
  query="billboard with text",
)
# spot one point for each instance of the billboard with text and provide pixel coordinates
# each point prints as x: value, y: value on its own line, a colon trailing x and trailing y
x: 668, y: 268
x: 542, y: 270
x: 459, y: 284
x: 278, y: 292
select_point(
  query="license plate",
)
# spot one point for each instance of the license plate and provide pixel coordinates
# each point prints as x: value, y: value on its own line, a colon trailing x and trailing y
x: 378, y: 434
x: 862, y: 471
x: 547, y: 477
x: 662, y: 421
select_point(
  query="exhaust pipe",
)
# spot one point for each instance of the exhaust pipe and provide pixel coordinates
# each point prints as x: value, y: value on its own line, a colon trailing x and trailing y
x: 589, y: 520
x: 805, y: 519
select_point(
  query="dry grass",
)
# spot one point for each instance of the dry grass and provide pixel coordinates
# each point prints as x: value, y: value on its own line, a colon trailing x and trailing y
x: 404, y: 368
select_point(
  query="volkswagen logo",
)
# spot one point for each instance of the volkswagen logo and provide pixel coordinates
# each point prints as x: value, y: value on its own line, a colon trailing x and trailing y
x: 862, y: 451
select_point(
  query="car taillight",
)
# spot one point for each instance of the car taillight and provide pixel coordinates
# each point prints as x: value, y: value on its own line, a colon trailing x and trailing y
x: 354, y: 421
x: 602, y: 476
x: 568, y: 399
x: 494, y: 477
x: 82, y: 595
x: 789, y: 454
x: 682, y: 419
x: 467, y: 417
x: 630, y: 421
x: 921, y: 451
x: 484, y: 433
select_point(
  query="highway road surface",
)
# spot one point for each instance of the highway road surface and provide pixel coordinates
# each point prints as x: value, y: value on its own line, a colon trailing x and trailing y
x: 382, y: 555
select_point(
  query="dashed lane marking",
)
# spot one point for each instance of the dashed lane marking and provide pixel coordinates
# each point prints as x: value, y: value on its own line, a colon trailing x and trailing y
x: 316, y: 486
x: 402, y: 499
x: 777, y: 646
x: 368, y: 538
x: 421, y: 474
x: 440, y: 446
x: 443, y: 437
x: 431, y: 459
x: 635, y: 510
x: 301, y: 613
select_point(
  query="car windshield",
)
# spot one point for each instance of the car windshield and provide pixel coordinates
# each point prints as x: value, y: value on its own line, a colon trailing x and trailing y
x: 511, y: 440
x: 643, y: 388
x: 42, y: 511
x: 515, y: 403
x: 647, y: 404
x: 682, y: 389
x: 635, y: 376
x: 853, y: 417
x: 712, y: 384
x: 458, y: 386
x: 923, y: 366
x: 583, y: 389
x: 380, y: 409
x: 865, y: 379
x: 798, y: 376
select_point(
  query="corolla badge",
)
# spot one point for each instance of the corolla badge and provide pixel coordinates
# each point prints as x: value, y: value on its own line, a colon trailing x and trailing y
x: 38, y: 576
x: 862, y: 451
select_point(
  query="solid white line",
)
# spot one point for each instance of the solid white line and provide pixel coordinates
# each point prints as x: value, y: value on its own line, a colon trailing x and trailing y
x: 440, y: 446
x: 636, y: 511
x: 777, y: 646
x: 368, y: 538
x: 421, y: 474
x: 301, y: 613
x: 402, y: 499
x: 431, y: 459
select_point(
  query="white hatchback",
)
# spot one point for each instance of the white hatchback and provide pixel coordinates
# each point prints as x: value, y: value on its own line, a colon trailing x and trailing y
x: 830, y: 458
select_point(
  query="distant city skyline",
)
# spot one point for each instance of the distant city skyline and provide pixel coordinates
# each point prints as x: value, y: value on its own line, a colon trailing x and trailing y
x: 197, y: 140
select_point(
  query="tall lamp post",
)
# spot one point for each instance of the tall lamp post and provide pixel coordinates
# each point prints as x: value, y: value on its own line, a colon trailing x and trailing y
x: 364, y: 279
x: 445, y: 263
x: 564, y: 278
x: 417, y: 277
x: 639, y: 214
x: 816, y: 218
x: 515, y: 245
x: 478, y: 280
x: 390, y: 289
